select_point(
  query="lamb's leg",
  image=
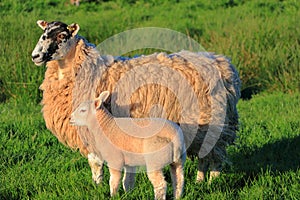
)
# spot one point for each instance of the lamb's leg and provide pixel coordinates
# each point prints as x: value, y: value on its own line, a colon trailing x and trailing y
x: 114, y: 180
x: 96, y: 165
x: 177, y: 176
x: 128, y: 178
x: 159, y: 184
x: 202, y: 169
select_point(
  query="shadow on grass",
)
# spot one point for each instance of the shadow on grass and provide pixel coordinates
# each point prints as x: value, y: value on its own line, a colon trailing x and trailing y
x: 280, y: 156
x: 248, y: 92
x: 10, y: 196
x: 248, y: 166
x: 2, y: 92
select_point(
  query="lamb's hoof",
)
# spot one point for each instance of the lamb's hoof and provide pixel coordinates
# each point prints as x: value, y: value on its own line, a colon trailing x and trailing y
x: 98, y: 180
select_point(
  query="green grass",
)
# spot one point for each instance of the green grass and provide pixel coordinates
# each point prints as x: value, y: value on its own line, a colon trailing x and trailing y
x: 270, y: 132
x: 261, y: 38
x: 264, y: 162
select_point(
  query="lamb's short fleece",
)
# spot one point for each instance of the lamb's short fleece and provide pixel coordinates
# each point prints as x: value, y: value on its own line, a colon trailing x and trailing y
x: 131, y: 142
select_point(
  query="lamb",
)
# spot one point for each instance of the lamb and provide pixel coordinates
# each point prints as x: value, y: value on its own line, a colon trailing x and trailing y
x: 199, y: 91
x: 127, y: 142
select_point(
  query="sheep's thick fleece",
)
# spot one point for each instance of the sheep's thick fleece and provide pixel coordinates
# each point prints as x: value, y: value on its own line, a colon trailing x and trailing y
x: 211, y: 78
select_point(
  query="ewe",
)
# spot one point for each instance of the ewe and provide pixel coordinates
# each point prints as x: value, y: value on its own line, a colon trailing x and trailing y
x: 199, y: 91
x: 118, y: 141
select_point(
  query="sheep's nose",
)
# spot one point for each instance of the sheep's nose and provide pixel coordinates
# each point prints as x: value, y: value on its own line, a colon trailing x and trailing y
x: 35, y: 56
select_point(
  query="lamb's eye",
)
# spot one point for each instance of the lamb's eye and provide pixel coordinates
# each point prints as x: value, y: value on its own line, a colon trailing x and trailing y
x: 82, y: 111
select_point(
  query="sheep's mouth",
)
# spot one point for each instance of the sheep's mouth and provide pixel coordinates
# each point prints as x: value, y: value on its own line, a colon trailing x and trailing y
x: 41, y: 60
x: 38, y: 63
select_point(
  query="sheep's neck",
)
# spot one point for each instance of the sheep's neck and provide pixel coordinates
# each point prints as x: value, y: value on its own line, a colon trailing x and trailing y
x: 67, y: 61
x: 64, y: 65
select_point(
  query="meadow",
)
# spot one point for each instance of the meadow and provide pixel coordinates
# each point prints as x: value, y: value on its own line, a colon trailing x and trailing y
x: 260, y: 37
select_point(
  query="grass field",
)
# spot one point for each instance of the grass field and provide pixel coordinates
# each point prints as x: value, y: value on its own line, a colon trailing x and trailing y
x: 261, y: 38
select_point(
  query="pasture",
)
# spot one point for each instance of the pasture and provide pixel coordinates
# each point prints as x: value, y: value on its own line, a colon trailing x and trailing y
x: 260, y: 37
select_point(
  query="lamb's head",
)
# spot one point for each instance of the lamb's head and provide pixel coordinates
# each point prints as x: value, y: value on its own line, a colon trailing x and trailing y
x: 80, y: 116
x: 56, y: 41
x: 87, y: 110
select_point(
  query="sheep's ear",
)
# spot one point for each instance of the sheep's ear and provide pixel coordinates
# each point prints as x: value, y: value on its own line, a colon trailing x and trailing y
x: 43, y: 24
x: 102, y: 98
x: 73, y: 28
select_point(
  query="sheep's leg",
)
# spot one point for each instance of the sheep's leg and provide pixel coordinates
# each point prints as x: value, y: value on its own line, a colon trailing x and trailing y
x: 159, y: 184
x: 202, y: 169
x: 96, y: 165
x: 215, y: 169
x: 114, y: 180
x: 128, y: 178
x: 177, y: 176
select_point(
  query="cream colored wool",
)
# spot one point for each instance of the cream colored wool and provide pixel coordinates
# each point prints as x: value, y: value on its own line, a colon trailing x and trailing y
x: 83, y: 75
x: 130, y: 142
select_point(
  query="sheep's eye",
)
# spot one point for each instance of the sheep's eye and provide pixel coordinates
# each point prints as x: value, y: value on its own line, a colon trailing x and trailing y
x: 61, y: 36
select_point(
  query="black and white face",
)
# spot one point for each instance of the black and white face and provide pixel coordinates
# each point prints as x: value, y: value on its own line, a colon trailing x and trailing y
x: 55, y: 42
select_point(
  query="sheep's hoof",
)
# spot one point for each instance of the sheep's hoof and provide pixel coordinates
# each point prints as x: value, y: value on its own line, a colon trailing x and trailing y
x: 213, y: 175
x: 200, y: 177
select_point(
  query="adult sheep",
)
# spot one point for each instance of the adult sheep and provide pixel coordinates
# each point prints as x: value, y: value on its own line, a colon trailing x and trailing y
x: 199, y: 91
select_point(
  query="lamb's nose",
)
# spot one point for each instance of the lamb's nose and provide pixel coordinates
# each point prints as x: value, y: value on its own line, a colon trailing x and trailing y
x: 35, y: 56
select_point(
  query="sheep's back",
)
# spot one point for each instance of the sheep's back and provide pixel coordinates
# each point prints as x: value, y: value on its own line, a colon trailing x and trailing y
x: 151, y: 86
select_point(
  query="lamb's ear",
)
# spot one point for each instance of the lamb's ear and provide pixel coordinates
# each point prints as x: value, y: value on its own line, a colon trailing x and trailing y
x: 102, y: 98
x: 104, y: 95
x: 73, y: 28
x: 43, y: 24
